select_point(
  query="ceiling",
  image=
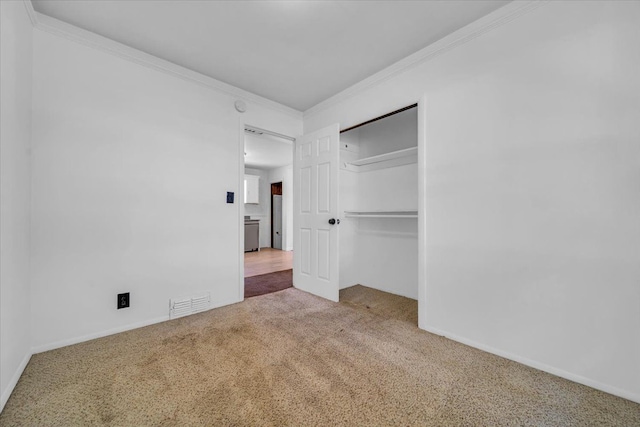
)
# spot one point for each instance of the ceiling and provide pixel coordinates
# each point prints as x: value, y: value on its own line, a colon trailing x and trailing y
x: 297, y: 53
x: 266, y: 152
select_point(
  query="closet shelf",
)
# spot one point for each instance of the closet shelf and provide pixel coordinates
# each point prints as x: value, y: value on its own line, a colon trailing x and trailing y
x: 394, y: 158
x: 381, y: 214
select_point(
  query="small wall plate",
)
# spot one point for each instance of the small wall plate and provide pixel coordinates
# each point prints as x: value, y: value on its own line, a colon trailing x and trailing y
x: 123, y: 300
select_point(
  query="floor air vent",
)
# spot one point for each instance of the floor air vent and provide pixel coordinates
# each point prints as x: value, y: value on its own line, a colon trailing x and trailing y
x: 179, y: 307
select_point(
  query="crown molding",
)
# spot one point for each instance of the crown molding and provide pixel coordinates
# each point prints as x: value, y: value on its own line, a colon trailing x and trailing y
x: 70, y: 32
x: 464, y: 35
x: 31, y: 12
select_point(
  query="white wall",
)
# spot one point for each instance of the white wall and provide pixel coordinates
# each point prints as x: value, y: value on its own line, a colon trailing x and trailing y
x: 130, y: 171
x: 533, y: 238
x: 284, y: 174
x: 15, y: 142
x: 262, y: 210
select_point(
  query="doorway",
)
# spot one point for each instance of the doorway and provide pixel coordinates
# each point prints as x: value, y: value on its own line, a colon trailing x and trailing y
x: 267, y: 170
x: 276, y: 215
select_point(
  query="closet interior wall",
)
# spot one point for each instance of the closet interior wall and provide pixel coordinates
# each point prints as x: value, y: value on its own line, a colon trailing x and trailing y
x: 380, y: 252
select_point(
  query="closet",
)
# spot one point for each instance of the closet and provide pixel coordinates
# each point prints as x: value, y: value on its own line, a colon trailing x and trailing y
x: 378, y: 199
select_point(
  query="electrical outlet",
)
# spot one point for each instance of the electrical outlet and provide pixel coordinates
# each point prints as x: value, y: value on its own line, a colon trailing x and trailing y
x: 123, y: 300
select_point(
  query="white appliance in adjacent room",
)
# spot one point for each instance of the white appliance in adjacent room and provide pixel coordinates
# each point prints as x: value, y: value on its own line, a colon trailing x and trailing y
x: 276, y: 200
x: 251, y: 234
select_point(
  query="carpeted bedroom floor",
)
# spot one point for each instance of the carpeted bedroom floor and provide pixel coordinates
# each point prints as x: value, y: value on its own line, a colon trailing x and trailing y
x: 290, y: 358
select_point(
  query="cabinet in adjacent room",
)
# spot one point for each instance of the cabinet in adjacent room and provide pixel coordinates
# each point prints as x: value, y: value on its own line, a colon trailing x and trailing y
x: 252, y: 189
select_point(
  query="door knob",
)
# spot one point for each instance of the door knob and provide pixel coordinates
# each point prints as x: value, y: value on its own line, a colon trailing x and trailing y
x: 334, y: 221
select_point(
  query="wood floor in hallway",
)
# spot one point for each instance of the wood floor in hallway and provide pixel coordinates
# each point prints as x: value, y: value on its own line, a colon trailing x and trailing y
x: 267, y: 260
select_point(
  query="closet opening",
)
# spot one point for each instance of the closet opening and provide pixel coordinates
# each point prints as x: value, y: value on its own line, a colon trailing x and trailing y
x: 378, y: 197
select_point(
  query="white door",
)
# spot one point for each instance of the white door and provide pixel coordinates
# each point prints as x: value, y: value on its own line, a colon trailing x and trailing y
x: 315, y: 212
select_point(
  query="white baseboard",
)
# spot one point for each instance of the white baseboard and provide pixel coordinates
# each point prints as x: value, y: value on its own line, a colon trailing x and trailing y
x: 88, y: 337
x: 225, y: 303
x: 540, y: 366
x: 14, y: 380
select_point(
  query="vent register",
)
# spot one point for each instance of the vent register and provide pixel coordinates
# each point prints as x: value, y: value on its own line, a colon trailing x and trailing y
x: 179, y: 307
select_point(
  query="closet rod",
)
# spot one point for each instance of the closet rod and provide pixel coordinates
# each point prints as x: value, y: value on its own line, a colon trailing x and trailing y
x: 380, y: 118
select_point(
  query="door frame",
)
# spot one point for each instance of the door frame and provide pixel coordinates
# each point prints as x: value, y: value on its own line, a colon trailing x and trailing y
x: 422, y: 212
x: 239, y: 199
x: 240, y: 209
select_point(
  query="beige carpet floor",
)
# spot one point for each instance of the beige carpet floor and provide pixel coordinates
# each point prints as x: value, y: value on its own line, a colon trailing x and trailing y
x: 290, y: 358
